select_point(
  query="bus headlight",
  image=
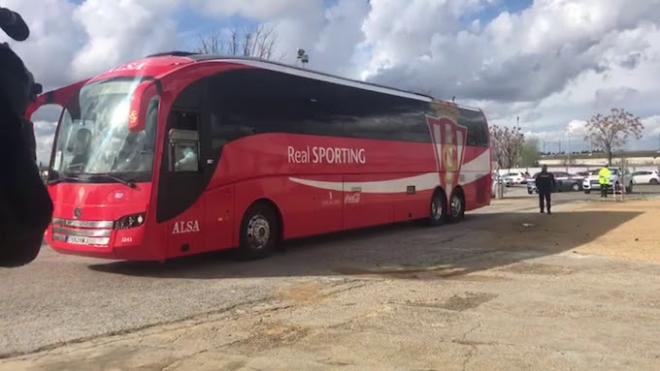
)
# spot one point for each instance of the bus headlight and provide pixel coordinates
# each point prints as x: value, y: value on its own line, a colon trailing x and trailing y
x: 130, y: 221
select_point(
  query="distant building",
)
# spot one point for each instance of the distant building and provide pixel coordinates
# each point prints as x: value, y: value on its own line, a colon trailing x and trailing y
x: 632, y: 159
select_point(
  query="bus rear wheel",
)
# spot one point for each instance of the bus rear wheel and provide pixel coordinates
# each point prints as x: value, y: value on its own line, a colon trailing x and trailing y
x: 438, y: 208
x: 259, y: 232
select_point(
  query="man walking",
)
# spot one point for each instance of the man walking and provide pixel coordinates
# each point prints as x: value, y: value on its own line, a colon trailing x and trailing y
x: 545, y: 184
x: 604, y: 176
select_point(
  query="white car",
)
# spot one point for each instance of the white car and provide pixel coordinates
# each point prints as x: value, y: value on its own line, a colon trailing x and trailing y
x: 592, y: 182
x: 514, y: 178
x: 646, y: 177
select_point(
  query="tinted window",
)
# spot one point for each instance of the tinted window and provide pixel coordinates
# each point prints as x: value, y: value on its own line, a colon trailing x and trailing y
x: 261, y: 101
x: 475, y: 122
x: 184, y: 173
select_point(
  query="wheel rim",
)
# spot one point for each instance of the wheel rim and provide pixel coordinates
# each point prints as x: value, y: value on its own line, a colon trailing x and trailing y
x: 258, y: 232
x: 436, y: 209
x: 576, y: 187
x: 456, y: 206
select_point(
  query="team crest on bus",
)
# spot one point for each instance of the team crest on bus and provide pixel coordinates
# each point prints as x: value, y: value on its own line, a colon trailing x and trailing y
x: 449, y: 140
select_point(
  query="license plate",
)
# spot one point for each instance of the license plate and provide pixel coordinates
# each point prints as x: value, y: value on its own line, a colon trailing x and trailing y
x: 91, y: 241
x: 78, y: 240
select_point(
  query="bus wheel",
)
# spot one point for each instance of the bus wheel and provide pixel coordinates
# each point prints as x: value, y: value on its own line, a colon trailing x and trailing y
x: 438, y: 208
x: 456, y: 210
x: 259, y: 232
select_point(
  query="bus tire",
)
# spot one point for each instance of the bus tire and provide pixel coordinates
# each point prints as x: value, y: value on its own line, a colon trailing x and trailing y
x: 260, y: 232
x: 438, y: 208
x: 456, y: 209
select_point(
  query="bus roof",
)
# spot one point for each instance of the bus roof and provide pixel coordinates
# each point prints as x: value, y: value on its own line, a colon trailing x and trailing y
x: 294, y: 70
x: 317, y: 75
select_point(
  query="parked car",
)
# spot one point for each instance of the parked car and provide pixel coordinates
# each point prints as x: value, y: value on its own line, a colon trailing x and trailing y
x: 514, y: 178
x: 616, y: 179
x: 646, y: 177
x: 564, y: 182
x: 568, y: 182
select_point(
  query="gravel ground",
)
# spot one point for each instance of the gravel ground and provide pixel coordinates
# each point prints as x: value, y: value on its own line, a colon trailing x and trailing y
x: 506, y: 289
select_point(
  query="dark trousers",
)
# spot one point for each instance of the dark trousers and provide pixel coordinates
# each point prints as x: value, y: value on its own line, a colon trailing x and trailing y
x: 544, y: 200
x: 604, y: 188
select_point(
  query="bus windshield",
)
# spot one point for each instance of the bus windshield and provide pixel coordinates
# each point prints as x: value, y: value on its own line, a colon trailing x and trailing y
x: 94, y: 142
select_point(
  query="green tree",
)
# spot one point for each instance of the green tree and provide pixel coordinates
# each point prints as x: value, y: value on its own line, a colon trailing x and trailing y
x: 529, y: 156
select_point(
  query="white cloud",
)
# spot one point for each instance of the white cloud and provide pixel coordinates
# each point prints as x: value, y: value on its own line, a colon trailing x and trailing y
x: 576, y: 128
x: 553, y: 64
x: 516, y: 57
x: 652, y: 128
x: 69, y: 42
x: 119, y: 31
x: 336, y: 43
x: 54, y: 39
x: 330, y: 35
x: 262, y: 10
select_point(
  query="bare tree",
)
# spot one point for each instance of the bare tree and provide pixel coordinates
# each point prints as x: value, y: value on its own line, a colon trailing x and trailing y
x: 610, y: 132
x: 257, y: 42
x: 508, y: 144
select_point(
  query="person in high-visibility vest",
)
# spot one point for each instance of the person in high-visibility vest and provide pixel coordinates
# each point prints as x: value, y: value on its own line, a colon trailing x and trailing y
x: 604, y: 176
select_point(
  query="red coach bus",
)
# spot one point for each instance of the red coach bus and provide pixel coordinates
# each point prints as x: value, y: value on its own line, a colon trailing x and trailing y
x: 180, y: 154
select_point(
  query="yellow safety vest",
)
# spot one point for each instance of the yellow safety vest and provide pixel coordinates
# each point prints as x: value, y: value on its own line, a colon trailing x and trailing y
x: 604, y: 176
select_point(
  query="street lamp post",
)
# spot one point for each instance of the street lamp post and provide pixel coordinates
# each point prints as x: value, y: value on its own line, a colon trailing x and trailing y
x: 568, y: 151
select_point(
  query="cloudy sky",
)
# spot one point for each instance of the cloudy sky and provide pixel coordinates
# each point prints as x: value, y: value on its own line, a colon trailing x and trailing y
x: 550, y: 63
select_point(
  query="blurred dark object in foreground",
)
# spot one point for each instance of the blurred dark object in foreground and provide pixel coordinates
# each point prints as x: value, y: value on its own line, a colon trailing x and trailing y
x: 13, y: 25
x: 25, y: 206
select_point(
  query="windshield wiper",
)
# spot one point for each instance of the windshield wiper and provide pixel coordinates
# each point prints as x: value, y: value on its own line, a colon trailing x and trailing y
x: 61, y: 178
x: 126, y: 182
x: 67, y: 178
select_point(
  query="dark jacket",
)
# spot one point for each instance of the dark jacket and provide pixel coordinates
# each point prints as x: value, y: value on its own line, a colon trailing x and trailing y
x: 545, y: 182
x: 25, y: 206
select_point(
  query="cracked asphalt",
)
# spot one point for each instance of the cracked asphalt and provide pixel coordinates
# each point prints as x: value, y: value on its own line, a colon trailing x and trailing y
x: 506, y: 289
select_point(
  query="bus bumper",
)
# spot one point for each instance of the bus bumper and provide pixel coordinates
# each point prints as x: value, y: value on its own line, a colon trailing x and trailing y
x: 98, y: 240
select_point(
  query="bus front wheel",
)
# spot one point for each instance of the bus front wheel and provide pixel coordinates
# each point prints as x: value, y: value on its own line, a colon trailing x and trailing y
x: 259, y: 231
x: 456, y: 210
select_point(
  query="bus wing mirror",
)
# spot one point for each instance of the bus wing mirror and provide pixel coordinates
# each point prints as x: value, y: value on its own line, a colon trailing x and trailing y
x: 137, y: 116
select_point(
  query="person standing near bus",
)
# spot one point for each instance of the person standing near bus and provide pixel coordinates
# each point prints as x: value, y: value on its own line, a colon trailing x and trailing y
x: 604, y: 176
x: 545, y: 184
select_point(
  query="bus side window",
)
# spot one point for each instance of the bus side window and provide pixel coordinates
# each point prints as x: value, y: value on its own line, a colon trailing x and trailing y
x: 184, y: 143
x: 185, y: 120
x: 475, y: 122
x: 186, y: 156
